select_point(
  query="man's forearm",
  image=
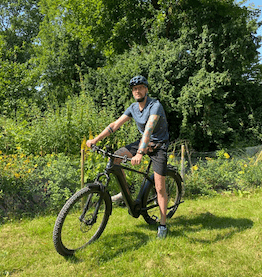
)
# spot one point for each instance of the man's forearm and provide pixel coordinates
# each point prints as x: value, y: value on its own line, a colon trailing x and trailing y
x: 150, y: 126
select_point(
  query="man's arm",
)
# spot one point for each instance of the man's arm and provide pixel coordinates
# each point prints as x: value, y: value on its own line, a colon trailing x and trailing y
x: 150, y: 126
x: 112, y: 127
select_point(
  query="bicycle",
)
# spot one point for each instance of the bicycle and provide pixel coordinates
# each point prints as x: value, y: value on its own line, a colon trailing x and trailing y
x: 84, y: 216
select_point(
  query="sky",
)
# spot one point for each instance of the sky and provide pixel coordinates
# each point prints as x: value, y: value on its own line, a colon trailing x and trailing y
x: 257, y: 4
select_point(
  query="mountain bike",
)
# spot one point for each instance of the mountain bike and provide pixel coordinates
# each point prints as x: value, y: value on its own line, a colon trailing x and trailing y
x: 84, y: 216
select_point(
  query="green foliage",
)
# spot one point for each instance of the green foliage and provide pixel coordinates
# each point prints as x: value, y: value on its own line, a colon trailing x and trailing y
x: 61, y: 130
x: 35, y: 184
x: 163, y: 62
x: 223, y: 174
x: 200, y: 58
x: 18, y: 26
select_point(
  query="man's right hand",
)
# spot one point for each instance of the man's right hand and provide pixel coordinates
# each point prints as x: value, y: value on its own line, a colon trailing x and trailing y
x: 90, y: 142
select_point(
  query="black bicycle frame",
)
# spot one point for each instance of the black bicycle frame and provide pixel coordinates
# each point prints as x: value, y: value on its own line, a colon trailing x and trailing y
x: 134, y: 206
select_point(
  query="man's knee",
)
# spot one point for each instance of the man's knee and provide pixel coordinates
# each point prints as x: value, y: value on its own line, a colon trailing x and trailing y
x: 122, y: 152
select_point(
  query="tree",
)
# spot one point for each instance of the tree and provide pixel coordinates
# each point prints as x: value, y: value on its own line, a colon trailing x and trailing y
x: 18, y: 27
x: 205, y: 72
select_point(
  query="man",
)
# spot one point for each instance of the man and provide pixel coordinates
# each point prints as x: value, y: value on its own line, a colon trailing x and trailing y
x: 151, y: 122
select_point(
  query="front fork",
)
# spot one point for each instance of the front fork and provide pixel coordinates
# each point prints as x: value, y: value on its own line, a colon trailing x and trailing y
x: 93, y: 219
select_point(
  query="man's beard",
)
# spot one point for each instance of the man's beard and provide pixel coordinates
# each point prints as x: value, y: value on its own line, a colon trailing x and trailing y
x: 141, y: 99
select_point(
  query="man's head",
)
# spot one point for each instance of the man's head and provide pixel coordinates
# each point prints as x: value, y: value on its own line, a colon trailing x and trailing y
x: 138, y: 80
x: 139, y: 85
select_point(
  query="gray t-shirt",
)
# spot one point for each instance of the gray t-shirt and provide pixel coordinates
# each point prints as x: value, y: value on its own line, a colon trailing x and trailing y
x: 152, y: 107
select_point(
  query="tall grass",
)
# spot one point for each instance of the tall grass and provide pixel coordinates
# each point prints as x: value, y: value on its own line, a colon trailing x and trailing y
x: 211, y: 236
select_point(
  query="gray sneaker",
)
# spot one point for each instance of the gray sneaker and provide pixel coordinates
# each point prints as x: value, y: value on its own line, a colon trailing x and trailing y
x: 162, y: 232
x: 117, y: 198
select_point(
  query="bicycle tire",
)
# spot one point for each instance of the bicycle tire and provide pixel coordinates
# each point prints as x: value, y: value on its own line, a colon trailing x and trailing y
x: 70, y: 233
x: 150, y: 208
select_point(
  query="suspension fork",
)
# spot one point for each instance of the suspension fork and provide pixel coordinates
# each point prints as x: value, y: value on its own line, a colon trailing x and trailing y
x: 94, y: 216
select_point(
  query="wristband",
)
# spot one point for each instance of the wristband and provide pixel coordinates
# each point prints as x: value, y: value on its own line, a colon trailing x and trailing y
x: 109, y: 129
x: 140, y: 152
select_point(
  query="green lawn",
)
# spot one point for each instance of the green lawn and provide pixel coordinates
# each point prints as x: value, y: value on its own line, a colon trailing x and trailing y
x: 218, y: 236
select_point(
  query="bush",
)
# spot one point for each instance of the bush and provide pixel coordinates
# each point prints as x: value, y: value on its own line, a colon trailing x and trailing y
x: 223, y: 174
x: 35, y: 184
x: 61, y: 130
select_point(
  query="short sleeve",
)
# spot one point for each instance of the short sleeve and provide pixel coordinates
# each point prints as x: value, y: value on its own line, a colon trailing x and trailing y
x: 128, y: 112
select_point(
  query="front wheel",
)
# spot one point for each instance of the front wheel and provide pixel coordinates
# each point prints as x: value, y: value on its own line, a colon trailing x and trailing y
x: 150, y: 209
x: 82, y: 219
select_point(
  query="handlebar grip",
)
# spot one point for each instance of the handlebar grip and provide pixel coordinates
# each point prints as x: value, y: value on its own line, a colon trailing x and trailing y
x: 109, y: 154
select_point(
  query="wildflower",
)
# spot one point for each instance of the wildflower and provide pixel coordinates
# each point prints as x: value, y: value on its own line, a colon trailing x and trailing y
x: 241, y: 172
x: 208, y: 159
x: 226, y: 155
x: 195, y: 167
x: 17, y: 175
x: 83, y: 144
x: 90, y: 134
x: 171, y: 156
x: 1, y: 152
x: 145, y: 162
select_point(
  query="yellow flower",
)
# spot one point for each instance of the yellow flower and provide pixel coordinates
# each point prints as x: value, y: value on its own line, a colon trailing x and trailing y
x: 241, y: 172
x: 245, y: 165
x: 195, y: 167
x: 36, y: 165
x: 171, y: 156
x: 208, y: 159
x: 145, y: 162
x: 17, y: 175
x: 29, y: 170
x: 226, y: 155
x: 90, y: 134
x: 1, y: 152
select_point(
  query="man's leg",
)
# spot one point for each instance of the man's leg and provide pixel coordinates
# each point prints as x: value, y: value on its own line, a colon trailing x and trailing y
x: 120, y: 152
x: 161, y: 196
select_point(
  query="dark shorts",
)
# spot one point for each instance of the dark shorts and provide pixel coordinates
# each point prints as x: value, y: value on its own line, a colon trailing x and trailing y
x: 158, y: 157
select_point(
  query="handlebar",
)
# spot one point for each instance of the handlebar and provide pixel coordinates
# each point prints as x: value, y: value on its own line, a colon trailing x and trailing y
x: 107, y: 153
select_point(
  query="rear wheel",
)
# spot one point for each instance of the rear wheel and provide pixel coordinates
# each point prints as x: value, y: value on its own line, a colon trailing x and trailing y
x: 151, y: 212
x: 82, y: 220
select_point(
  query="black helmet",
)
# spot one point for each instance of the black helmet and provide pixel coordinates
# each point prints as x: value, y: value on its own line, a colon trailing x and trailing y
x: 138, y: 80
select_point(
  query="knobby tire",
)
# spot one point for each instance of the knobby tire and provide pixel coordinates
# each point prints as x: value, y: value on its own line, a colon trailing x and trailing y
x: 70, y: 233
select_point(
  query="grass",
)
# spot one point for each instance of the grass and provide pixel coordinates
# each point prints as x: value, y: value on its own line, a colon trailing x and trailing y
x: 218, y: 236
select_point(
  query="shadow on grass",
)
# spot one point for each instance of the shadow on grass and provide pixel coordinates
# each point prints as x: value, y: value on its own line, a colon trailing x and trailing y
x: 223, y: 227
x: 117, y: 244
x: 112, y: 246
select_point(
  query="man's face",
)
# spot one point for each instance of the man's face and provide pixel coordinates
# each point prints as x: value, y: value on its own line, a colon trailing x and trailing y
x: 139, y: 92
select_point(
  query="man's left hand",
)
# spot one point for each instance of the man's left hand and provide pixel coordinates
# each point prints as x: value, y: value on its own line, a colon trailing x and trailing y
x: 136, y: 159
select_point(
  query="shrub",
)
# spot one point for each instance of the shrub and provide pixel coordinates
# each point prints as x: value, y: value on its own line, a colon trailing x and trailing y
x: 223, y: 174
x: 61, y: 130
x: 35, y: 184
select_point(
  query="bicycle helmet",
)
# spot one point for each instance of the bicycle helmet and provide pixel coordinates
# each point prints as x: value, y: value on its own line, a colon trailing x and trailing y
x: 138, y: 80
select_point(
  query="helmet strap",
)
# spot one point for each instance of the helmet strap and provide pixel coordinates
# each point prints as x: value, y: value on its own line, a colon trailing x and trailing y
x: 141, y: 99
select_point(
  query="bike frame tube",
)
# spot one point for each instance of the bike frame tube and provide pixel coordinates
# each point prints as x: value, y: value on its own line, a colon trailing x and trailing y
x: 117, y: 171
